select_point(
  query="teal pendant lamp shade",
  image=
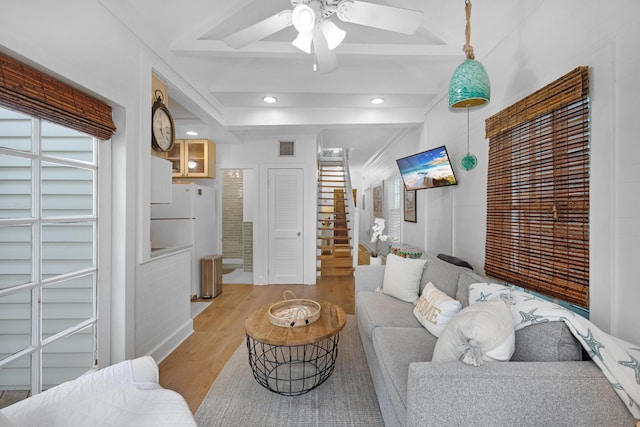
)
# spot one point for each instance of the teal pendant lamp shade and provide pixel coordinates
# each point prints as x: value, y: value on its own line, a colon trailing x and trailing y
x: 469, y: 85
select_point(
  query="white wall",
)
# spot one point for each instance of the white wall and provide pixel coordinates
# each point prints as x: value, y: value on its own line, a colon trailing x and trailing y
x: 554, y: 39
x: 259, y: 156
x: 91, y: 50
x: 382, y: 167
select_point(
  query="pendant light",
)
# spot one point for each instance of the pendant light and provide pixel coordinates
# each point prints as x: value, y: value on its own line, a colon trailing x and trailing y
x: 469, y: 86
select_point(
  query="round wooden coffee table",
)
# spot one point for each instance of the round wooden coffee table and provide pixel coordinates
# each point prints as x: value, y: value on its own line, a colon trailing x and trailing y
x: 293, y: 361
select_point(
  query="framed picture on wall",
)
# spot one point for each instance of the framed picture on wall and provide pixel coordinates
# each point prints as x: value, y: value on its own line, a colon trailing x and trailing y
x: 410, y: 206
x: 377, y: 202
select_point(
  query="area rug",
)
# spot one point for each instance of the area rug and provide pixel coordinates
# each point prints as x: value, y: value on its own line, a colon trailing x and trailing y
x: 346, y: 398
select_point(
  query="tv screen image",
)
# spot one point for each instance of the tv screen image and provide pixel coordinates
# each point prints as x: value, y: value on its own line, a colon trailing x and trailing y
x: 428, y: 169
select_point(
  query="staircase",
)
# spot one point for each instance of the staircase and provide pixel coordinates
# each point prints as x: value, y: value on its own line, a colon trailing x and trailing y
x: 335, y: 248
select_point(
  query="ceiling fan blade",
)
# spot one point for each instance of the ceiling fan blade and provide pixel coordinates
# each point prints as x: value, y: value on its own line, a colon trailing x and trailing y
x: 260, y: 30
x: 388, y: 18
x: 325, y: 58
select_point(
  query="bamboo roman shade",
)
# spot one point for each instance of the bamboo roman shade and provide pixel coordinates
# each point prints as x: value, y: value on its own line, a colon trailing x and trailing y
x: 538, y: 191
x: 29, y: 91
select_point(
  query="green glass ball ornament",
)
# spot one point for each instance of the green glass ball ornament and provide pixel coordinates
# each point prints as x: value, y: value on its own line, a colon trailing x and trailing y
x: 468, y: 162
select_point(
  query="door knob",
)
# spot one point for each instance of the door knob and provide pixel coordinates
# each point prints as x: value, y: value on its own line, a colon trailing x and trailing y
x: 299, y: 233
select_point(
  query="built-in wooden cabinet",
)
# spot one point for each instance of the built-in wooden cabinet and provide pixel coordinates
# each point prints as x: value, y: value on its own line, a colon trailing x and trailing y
x: 193, y: 158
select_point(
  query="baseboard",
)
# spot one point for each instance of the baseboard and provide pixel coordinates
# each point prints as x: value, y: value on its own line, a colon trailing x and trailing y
x: 172, y: 342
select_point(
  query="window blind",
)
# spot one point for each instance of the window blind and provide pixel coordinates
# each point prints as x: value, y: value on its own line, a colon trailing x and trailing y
x: 392, y: 185
x: 29, y: 91
x: 538, y: 191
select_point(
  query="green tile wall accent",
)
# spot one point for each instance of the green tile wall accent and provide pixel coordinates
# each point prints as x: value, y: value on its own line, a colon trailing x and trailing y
x: 232, y: 193
x: 247, y: 246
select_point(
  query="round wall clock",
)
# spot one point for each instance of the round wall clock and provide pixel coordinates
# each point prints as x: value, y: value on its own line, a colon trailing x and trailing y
x: 163, y: 132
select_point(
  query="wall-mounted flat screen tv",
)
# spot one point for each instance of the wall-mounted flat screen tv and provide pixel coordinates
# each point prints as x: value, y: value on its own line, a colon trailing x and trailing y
x: 428, y: 169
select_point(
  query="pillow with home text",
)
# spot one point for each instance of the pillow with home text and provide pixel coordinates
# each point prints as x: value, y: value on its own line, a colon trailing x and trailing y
x: 434, y: 309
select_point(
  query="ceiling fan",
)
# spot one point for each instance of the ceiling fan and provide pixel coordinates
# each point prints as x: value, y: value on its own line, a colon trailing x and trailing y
x: 317, y: 32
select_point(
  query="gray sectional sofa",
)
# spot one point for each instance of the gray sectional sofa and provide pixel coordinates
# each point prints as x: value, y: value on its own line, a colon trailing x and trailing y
x: 546, y: 383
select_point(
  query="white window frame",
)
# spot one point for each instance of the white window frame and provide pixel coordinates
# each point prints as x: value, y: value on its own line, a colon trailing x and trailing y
x: 100, y: 320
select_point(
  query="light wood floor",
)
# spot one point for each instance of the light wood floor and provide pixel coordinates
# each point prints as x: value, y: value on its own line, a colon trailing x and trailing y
x: 219, y: 330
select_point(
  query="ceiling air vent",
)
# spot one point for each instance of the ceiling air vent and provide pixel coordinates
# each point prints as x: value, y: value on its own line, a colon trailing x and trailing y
x: 287, y: 148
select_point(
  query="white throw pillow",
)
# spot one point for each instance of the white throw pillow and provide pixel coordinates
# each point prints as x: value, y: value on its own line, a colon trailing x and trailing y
x: 402, y: 277
x: 482, y: 331
x: 435, y: 309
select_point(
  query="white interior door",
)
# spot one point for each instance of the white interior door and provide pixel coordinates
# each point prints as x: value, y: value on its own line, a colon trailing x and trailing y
x: 285, y: 226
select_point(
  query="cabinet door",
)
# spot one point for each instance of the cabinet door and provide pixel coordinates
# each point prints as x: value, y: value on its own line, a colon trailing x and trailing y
x: 175, y: 157
x: 196, y: 158
x: 200, y: 158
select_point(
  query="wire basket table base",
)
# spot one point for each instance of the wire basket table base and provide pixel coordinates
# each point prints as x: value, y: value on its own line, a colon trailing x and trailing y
x: 292, y: 370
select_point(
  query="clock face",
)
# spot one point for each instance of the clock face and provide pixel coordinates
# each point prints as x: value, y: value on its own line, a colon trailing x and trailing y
x: 162, y: 129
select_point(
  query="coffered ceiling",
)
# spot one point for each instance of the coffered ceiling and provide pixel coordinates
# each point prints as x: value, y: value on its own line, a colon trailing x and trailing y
x: 411, y: 72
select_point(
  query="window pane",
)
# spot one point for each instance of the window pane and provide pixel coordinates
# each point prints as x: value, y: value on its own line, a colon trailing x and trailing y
x: 15, y: 323
x: 66, y: 247
x: 15, y: 187
x: 68, y: 358
x: 58, y: 141
x: 15, y: 130
x: 66, y: 190
x: 66, y: 304
x: 16, y: 379
x: 15, y: 255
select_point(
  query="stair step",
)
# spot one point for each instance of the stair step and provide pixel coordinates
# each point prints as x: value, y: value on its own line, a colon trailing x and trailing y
x: 347, y: 262
x: 335, y: 249
x: 337, y: 272
x: 333, y: 237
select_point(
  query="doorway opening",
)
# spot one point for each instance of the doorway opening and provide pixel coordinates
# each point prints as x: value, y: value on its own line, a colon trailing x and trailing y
x: 237, y: 225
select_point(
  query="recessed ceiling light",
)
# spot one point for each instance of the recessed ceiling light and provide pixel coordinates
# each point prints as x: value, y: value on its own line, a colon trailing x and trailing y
x: 269, y: 99
x: 377, y: 101
x: 191, y: 133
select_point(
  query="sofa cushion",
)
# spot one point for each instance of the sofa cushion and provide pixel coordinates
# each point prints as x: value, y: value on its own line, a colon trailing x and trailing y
x: 377, y: 309
x: 396, y: 349
x: 546, y: 342
x: 442, y: 274
x: 482, y: 331
x: 402, y: 277
x: 435, y: 309
x: 466, y: 279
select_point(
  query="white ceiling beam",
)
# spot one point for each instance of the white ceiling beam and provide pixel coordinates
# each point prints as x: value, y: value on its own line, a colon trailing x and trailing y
x: 238, y: 118
x: 220, y: 48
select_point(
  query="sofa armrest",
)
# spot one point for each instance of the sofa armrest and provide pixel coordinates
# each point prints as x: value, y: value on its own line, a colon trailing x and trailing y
x: 512, y: 393
x: 369, y: 277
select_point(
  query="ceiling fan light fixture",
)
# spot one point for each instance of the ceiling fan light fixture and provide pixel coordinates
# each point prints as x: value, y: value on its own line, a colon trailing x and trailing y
x: 304, y: 18
x: 334, y: 34
x: 303, y: 42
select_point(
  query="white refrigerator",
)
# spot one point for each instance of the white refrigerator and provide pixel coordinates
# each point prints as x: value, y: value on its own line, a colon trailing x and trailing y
x: 188, y: 220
